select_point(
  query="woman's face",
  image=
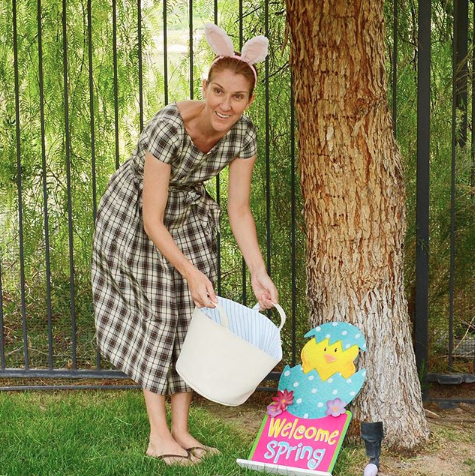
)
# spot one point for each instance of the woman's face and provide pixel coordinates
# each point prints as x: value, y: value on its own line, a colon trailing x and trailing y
x: 227, y: 97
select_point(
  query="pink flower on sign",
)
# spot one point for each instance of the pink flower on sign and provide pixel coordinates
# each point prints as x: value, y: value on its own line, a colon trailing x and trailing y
x: 273, y: 410
x: 335, y: 407
x: 283, y: 399
x: 280, y: 403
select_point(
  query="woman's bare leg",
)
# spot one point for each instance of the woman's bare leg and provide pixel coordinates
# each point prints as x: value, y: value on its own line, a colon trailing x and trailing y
x: 180, y: 429
x: 161, y: 440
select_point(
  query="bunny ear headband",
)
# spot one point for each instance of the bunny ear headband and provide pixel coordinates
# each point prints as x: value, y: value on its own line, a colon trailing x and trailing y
x: 254, y: 50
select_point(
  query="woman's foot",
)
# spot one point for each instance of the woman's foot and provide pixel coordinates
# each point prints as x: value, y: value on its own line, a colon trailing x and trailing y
x: 170, y: 452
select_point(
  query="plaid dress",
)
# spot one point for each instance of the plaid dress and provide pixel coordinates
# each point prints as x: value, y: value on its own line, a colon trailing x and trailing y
x: 142, y: 305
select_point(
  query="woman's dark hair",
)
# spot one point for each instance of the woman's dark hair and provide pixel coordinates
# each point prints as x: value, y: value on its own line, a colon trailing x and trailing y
x: 235, y: 65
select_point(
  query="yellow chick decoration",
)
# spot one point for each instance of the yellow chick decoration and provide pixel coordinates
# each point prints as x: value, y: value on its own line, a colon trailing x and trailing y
x: 328, y: 359
x: 327, y: 371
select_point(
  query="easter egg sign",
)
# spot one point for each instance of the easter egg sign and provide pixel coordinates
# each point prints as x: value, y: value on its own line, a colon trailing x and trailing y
x: 306, y: 423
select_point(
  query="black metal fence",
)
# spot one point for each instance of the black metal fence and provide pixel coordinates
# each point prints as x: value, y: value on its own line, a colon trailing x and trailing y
x: 444, y: 320
x: 80, y: 78
x: 130, y: 60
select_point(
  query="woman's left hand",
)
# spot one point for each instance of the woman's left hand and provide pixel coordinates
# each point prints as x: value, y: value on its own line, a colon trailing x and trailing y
x: 264, y: 289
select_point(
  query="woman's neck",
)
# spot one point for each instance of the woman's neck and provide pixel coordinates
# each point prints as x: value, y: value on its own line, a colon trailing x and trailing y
x: 197, y: 125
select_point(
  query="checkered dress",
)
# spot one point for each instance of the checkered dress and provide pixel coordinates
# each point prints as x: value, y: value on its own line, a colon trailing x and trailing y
x: 142, y: 304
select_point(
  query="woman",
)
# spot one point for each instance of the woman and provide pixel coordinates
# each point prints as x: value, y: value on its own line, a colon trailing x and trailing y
x: 154, y: 255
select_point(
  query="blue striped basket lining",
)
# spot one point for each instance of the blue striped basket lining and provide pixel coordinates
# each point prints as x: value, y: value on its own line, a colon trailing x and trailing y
x: 250, y: 325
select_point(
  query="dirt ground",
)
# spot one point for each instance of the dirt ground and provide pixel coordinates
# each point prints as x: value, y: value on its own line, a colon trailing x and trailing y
x: 451, y: 451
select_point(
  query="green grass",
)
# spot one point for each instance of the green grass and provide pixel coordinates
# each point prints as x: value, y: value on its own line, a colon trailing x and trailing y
x: 104, y: 433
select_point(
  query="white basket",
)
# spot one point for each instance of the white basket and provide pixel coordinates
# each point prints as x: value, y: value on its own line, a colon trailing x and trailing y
x: 228, y: 351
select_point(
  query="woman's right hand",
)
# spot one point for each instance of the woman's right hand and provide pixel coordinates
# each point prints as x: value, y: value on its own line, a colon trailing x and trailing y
x: 201, y: 288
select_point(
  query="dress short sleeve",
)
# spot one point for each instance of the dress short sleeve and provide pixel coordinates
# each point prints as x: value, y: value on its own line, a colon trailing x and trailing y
x: 249, y: 148
x: 162, y: 138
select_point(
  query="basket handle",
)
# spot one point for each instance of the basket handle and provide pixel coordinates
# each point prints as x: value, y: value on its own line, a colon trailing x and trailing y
x: 222, y: 315
x: 283, y: 317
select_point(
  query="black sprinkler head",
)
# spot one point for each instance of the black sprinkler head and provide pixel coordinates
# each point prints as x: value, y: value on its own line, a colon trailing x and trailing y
x: 373, y: 434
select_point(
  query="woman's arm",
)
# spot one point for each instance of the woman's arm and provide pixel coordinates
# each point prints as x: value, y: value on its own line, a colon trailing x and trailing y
x: 155, y: 196
x: 244, y: 230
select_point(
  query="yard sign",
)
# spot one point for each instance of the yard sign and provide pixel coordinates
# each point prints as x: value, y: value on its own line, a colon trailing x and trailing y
x: 305, y: 426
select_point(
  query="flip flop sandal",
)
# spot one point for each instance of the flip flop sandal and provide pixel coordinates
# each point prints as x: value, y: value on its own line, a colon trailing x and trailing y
x: 179, y: 460
x: 203, y: 451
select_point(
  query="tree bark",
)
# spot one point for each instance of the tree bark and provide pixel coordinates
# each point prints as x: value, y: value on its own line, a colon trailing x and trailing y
x: 353, y: 191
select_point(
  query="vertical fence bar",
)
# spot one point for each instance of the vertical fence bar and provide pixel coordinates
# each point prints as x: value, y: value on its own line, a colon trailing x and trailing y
x: 2, y: 324
x: 93, y: 134
x: 394, y: 66
x: 422, y: 197
x: 218, y: 192
x: 116, y: 85
x: 472, y: 135
x: 191, y: 48
x: 459, y: 136
x: 140, y: 65
x: 218, y: 195
x: 241, y: 26
x: 68, y: 179
x: 268, y: 175
x: 243, y: 262
x: 455, y: 103
x: 19, y: 187
x: 91, y: 109
x: 165, y: 52
x: 293, y: 218
x: 461, y: 67
x: 45, y: 187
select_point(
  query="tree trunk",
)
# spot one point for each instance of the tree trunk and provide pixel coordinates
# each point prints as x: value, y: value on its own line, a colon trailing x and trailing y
x: 352, y: 185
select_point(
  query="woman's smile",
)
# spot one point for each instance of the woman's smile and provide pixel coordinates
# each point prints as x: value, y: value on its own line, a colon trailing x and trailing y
x: 223, y: 116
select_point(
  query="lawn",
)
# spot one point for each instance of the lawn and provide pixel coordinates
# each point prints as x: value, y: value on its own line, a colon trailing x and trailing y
x: 91, y: 433
x: 104, y: 433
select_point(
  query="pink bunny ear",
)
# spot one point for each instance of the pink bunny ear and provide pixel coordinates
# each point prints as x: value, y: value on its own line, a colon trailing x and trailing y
x: 255, y: 50
x: 218, y: 40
